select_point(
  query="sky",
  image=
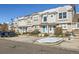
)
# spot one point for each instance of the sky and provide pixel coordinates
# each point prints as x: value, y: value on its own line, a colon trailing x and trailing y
x: 10, y: 11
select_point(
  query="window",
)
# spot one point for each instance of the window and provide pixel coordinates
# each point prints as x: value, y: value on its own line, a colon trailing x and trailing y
x: 24, y: 28
x: 43, y: 26
x: 50, y: 28
x: 35, y: 26
x: 51, y: 15
x: 20, y: 27
x: 60, y: 15
x: 77, y: 25
x: 35, y: 18
x: 64, y: 14
x: 45, y: 18
x: 73, y: 25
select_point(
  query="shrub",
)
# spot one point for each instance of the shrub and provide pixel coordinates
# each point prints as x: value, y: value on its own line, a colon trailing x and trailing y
x: 69, y: 33
x: 66, y: 33
x: 35, y: 32
x: 58, y: 31
x: 61, y: 35
x: 13, y: 46
x: 45, y: 34
x: 26, y: 33
x: 17, y: 33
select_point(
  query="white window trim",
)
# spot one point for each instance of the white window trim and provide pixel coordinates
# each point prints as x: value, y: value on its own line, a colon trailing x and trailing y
x: 63, y: 19
x: 43, y: 18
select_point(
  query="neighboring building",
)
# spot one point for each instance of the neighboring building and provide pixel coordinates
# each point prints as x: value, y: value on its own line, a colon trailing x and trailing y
x: 20, y: 24
x: 4, y: 27
x: 45, y: 21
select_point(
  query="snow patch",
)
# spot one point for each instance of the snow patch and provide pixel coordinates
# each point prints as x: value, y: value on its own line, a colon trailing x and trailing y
x: 51, y: 40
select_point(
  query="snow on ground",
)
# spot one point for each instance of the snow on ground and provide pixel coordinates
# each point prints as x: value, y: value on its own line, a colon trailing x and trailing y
x: 51, y: 40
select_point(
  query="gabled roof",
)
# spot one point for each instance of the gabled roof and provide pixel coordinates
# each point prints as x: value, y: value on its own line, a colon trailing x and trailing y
x: 67, y: 7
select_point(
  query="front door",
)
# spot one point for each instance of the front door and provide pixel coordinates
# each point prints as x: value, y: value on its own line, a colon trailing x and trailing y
x: 44, y: 29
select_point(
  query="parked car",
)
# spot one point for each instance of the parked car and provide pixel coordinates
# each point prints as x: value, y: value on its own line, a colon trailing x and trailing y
x: 1, y: 34
x: 12, y: 34
x: 7, y: 34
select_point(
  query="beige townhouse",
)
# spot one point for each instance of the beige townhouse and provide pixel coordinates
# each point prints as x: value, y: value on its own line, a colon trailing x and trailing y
x: 36, y: 21
x: 20, y: 24
x: 29, y: 24
x: 23, y: 24
x: 62, y: 16
x: 46, y: 21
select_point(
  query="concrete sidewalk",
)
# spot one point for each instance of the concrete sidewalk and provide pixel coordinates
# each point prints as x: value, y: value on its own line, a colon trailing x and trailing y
x: 72, y: 44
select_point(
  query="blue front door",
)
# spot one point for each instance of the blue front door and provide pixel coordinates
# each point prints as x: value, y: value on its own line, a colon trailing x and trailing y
x: 44, y: 28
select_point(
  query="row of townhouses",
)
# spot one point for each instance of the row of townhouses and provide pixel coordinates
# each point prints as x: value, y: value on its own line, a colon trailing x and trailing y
x: 45, y: 21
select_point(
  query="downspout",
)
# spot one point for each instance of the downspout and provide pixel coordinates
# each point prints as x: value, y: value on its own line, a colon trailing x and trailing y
x: 73, y: 13
x: 47, y: 23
